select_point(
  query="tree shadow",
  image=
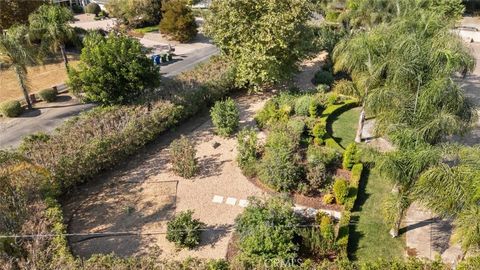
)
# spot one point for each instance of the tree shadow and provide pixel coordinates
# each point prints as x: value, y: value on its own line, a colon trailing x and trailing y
x: 213, y: 234
x: 211, y: 166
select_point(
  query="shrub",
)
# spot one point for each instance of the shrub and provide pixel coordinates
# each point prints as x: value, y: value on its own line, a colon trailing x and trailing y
x: 296, y: 128
x: 267, y: 231
x: 225, y: 117
x: 279, y: 166
x: 328, y: 198
x: 247, y: 151
x: 109, y: 80
x: 11, y: 108
x: 351, y: 156
x: 48, y: 95
x: 302, y: 105
x: 326, y: 228
x: 178, y: 21
x: 183, y: 157
x: 316, y: 175
x: 93, y: 8
x: 318, y: 132
x: 322, y: 88
x: 332, y: 16
x: 323, y: 77
x: 273, y: 112
x: 340, y: 189
x: 331, y: 99
x: 77, y: 9
x: 321, y: 154
x: 184, y: 230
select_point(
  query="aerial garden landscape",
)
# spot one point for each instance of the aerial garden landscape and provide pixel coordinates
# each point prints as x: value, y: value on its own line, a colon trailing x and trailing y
x: 319, y: 134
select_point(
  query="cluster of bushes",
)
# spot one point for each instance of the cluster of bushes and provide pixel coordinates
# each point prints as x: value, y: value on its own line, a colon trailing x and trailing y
x: 93, y: 8
x: 294, y: 156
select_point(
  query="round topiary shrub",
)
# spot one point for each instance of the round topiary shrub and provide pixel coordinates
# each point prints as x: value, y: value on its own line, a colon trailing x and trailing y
x: 340, y: 189
x: 183, y: 157
x: 323, y: 77
x: 93, y: 8
x: 11, y: 108
x: 48, y: 95
x: 178, y: 21
x: 302, y: 105
x: 225, y: 117
x: 351, y: 156
x: 184, y: 230
x: 328, y: 198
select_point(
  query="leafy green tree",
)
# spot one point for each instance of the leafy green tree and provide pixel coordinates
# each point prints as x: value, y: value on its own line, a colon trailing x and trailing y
x: 136, y: 13
x: 267, y: 230
x: 184, y: 230
x: 264, y: 38
x: 178, y: 21
x: 16, y: 12
x: 113, y: 70
x: 50, y: 24
x: 16, y: 52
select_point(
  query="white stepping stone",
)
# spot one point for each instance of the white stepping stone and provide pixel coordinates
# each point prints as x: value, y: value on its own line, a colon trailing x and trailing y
x: 217, y: 199
x: 243, y: 203
x: 231, y: 201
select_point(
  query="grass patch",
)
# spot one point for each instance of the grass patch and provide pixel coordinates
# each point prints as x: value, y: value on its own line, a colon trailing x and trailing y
x: 345, y: 125
x: 147, y: 29
x: 369, y: 237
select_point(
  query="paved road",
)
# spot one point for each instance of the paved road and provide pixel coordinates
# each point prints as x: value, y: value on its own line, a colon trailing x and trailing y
x: 46, y: 119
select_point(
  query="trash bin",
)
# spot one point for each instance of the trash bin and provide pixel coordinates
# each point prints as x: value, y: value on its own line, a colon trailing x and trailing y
x: 164, y: 58
x: 157, y: 60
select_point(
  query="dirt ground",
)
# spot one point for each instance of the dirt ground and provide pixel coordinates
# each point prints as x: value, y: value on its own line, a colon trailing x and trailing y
x: 39, y: 78
x: 308, y: 68
x: 144, y: 194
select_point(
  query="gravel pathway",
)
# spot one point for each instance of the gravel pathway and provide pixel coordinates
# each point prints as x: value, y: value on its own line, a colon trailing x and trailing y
x: 143, y: 194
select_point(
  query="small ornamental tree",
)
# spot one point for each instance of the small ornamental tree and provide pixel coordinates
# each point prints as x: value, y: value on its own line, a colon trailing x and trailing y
x: 340, y: 189
x: 267, y: 231
x: 178, y: 21
x: 225, y: 117
x: 184, y: 230
x: 183, y: 157
x: 113, y: 70
x: 351, y: 156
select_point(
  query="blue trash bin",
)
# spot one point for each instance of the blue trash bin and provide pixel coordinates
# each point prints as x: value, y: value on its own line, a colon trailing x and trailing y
x: 157, y: 59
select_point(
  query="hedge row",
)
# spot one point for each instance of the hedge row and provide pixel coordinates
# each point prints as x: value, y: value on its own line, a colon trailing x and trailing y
x: 102, y: 137
x: 327, y: 116
x: 344, y: 223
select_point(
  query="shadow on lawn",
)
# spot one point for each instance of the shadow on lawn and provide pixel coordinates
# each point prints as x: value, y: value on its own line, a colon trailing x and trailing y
x: 362, y: 197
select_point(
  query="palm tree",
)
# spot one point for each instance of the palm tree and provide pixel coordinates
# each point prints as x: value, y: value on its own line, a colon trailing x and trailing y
x: 50, y: 25
x: 403, y: 168
x: 17, y: 53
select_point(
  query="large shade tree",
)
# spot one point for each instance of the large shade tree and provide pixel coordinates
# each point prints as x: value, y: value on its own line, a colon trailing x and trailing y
x: 265, y: 39
x: 16, y: 52
x: 16, y: 12
x: 50, y: 25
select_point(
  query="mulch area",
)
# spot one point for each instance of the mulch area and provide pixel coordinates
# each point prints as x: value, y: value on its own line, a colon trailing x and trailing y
x: 315, y: 201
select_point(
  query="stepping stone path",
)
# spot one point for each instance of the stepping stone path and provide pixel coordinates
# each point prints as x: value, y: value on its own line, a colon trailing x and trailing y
x: 230, y: 201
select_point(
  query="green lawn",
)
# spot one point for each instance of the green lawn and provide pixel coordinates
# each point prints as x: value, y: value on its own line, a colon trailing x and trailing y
x: 345, y: 126
x: 369, y: 237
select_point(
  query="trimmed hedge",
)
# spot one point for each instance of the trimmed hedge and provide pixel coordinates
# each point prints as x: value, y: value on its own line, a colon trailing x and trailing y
x: 344, y: 223
x: 11, y: 108
x: 48, y: 95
